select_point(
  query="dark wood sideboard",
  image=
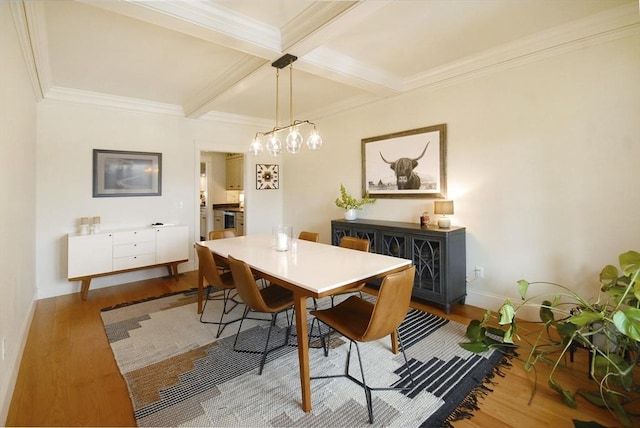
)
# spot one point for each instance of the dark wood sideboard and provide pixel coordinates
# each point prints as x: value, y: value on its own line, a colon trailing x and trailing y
x: 438, y: 254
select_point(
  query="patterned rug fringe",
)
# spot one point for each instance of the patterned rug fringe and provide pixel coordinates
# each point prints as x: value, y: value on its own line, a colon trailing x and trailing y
x: 471, y: 401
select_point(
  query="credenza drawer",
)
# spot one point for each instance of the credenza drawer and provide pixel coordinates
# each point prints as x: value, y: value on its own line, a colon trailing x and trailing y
x: 130, y: 237
x: 134, y: 249
x: 131, y: 262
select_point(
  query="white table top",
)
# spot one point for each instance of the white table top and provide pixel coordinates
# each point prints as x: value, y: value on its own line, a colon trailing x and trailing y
x: 318, y: 268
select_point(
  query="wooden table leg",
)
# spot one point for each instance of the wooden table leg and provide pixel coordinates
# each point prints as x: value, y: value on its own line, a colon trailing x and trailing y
x: 300, y: 306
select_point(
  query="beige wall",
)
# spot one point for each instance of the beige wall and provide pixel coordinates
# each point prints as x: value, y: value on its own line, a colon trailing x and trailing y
x: 542, y: 166
x: 17, y: 205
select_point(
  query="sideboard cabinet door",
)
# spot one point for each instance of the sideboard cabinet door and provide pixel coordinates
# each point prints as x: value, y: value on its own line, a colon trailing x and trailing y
x: 357, y: 231
x: 172, y: 243
x: 89, y: 254
x: 426, y: 254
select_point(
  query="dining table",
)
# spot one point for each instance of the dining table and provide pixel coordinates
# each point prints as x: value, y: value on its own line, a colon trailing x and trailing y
x: 309, y: 270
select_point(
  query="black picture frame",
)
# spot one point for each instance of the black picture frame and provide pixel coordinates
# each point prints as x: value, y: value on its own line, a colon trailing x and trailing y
x: 407, y: 164
x: 119, y: 173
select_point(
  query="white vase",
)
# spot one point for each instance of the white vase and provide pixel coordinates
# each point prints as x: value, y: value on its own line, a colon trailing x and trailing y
x: 350, y: 214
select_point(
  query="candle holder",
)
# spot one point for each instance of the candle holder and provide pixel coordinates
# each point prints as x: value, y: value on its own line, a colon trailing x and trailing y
x: 84, y: 225
x: 282, y: 237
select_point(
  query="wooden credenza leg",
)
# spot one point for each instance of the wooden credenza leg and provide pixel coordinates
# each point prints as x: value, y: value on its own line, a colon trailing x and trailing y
x: 84, y: 290
x: 173, y: 269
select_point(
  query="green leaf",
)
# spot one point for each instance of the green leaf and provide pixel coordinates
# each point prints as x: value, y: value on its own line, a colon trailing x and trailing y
x: 475, y: 347
x: 567, y: 397
x: 507, y: 313
x: 495, y: 331
x: 586, y: 317
x: 583, y: 424
x: 475, y: 331
x: 523, y: 286
x: 566, y: 329
x: 630, y: 262
x: 508, y: 335
x: 594, y: 398
x: 628, y: 322
x: 609, y: 276
x: 546, y: 314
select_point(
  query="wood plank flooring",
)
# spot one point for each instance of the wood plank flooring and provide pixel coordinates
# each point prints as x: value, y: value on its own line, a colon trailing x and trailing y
x: 68, y: 376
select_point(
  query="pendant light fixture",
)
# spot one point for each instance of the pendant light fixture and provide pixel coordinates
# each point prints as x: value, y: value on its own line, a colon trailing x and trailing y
x: 294, y: 140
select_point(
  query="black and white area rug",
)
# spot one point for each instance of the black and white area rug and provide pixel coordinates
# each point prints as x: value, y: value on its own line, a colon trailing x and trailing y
x: 179, y: 374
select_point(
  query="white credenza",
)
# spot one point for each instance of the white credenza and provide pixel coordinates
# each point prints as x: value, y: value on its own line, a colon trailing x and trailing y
x: 119, y: 251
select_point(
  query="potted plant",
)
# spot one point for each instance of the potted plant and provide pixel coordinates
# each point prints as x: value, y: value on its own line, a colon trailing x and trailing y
x: 350, y: 204
x: 609, y: 328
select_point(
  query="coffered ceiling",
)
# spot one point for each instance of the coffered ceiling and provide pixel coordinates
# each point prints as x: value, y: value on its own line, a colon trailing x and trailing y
x: 212, y: 58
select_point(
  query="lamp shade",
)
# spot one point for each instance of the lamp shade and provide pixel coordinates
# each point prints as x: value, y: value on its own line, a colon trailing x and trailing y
x: 443, y: 207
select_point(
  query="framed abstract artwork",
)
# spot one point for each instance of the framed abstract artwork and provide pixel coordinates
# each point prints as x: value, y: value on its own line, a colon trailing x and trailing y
x: 119, y: 173
x: 407, y: 164
x: 267, y: 176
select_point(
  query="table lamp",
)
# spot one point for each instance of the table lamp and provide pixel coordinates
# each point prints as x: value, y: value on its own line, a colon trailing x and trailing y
x: 444, y: 208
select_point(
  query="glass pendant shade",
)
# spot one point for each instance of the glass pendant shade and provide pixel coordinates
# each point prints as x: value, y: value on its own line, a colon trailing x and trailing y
x: 294, y: 141
x: 274, y: 146
x: 314, y: 142
x: 256, y: 147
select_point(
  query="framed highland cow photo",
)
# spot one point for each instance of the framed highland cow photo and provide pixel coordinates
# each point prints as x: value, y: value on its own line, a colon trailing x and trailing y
x: 407, y: 164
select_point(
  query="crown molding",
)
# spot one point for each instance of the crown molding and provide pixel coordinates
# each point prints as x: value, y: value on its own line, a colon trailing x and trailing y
x: 21, y: 22
x: 610, y: 25
x: 77, y: 96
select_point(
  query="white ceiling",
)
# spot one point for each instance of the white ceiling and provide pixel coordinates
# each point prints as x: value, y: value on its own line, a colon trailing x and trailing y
x: 212, y: 57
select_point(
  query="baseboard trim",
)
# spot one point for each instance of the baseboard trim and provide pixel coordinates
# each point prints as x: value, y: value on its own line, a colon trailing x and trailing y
x: 14, y: 365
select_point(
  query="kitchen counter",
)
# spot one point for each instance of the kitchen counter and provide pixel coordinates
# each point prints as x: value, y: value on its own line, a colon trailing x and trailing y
x: 228, y: 207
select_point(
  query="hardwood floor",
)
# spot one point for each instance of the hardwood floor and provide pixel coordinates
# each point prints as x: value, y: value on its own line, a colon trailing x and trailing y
x: 68, y: 376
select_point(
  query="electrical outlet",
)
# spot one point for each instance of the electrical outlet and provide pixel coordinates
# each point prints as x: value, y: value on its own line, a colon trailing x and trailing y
x: 478, y: 272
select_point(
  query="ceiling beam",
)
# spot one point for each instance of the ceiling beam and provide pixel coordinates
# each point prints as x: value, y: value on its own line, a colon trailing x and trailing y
x: 233, y: 80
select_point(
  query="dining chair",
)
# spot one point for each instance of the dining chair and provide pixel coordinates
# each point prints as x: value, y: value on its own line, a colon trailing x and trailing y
x: 351, y: 243
x: 309, y: 236
x: 358, y: 244
x: 222, y: 264
x: 271, y: 299
x: 362, y: 321
x: 208, y: 270
x: 222, y: 233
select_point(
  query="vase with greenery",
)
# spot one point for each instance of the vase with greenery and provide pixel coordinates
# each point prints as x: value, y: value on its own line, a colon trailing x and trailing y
x: 350, y: 204
x: 608, y: 327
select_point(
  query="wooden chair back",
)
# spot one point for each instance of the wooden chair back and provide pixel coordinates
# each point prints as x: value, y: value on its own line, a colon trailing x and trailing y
x: 222, y: 233
x: 246, y: 285
x: 207, y: 269
x: 309, y: 236
x: 391, y: 306
x: 355, y: 243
